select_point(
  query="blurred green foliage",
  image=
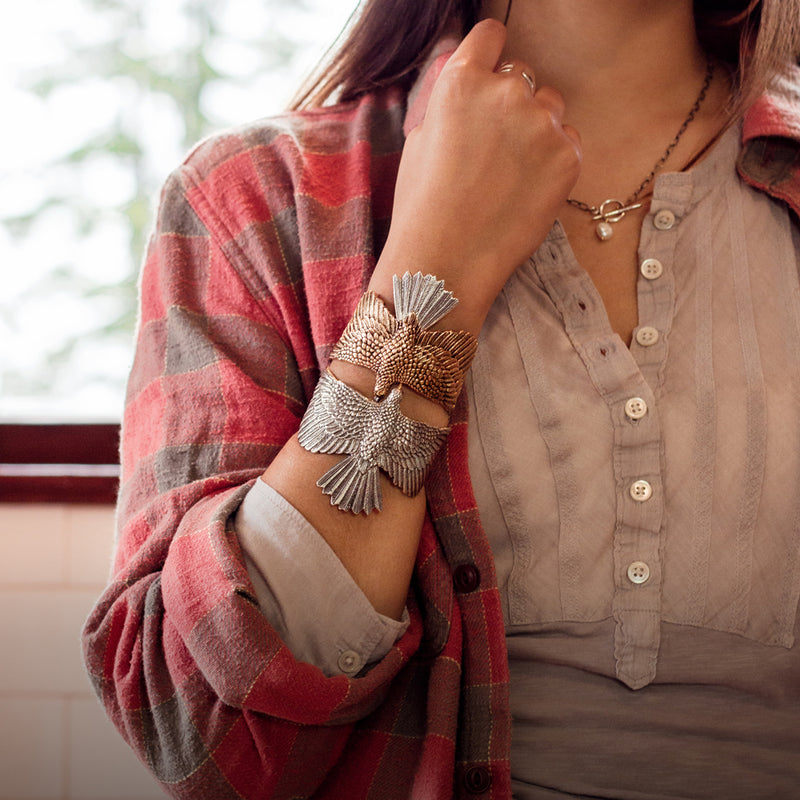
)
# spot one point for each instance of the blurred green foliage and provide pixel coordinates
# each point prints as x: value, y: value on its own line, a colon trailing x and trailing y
x: 158, y: 58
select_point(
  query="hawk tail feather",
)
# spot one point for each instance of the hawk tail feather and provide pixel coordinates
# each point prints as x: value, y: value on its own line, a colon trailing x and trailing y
x: 422, y: 295
x: 351, y: 488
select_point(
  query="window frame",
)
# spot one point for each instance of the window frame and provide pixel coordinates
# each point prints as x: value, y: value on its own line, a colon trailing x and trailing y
x: 59, y: 462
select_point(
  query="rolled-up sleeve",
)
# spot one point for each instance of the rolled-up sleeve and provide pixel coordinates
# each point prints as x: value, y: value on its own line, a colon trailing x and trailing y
x: 304, y: 590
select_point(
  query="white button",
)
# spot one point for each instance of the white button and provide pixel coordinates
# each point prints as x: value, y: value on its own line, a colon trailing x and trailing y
x: 651, y: 268
x: 641, y: 491
x: 664, y: 219
x: 636, y: 408
x: 638, y: 572
x: 647, y: 336
x: 349, y: 662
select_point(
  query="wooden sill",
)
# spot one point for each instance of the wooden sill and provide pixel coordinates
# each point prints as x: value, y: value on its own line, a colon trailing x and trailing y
x: 59, y: 463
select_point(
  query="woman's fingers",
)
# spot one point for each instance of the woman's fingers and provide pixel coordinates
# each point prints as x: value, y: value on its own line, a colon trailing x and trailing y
x: 482, y: 46
x: 552, y: 101
x: 482, y: 178
x: 575, y: 138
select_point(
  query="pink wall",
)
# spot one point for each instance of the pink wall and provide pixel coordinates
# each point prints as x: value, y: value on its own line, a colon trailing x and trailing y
x: 57, y: 743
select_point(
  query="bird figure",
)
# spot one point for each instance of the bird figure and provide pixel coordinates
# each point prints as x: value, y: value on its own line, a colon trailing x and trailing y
x: 401, y: 350
x: 374, y: 435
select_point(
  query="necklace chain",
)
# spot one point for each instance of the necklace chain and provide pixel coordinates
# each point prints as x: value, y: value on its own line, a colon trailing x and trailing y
x: 614, y: 210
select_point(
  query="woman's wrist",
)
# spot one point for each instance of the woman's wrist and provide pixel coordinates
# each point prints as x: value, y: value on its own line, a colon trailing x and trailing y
x: 413, y: 405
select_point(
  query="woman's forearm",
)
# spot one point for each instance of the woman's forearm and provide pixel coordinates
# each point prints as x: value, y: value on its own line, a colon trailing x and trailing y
x: 481, y: 129
x: 377, y: 549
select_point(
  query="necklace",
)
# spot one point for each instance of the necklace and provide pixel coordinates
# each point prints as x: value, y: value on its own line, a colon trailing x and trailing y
x: 611, y: 211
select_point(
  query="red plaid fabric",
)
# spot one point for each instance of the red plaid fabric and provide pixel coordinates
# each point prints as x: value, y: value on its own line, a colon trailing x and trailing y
x: 266, y: 239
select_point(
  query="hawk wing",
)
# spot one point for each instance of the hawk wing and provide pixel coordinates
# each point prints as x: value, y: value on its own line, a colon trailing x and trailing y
x: 440, y: 360
x: 411, y: 451
x: 336, y: 419
x: 370, y: 327
x: 459, y: 345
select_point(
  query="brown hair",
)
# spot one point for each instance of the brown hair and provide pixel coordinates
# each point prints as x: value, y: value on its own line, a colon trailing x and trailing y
x: 388, y: 40
x: 758, y: 39
x: 384, y: 44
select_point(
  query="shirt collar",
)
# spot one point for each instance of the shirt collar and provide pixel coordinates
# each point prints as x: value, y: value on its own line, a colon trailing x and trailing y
x: 777, y: 112
x: 770, y: 156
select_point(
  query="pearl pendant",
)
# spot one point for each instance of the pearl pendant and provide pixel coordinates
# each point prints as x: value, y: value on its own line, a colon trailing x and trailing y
x: 604, y: 231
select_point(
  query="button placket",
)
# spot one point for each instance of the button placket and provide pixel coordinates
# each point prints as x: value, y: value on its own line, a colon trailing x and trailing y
x: 637, y: 570
x: 656, y: 281
x: 637, y: 451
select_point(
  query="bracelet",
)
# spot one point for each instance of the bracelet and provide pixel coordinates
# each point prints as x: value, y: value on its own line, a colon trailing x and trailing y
x: 374, y: 436
x: 401, y: 350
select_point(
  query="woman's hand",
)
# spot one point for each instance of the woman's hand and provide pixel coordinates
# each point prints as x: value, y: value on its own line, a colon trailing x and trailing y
x: 481, y: 179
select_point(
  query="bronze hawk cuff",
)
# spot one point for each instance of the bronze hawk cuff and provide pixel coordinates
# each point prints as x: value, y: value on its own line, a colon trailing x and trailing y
x: 400, y: 349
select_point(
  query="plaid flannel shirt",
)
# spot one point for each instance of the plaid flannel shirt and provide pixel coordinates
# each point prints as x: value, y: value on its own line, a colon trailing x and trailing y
x: 265, y: 240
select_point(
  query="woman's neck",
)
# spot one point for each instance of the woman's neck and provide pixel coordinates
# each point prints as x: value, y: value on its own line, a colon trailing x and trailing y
x: 629, y: 71
x: 606, y: 52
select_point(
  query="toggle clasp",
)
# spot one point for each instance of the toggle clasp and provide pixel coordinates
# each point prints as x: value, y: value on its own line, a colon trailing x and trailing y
x: 613, y: 210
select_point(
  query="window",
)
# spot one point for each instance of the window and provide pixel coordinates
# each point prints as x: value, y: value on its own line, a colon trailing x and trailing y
x: 107, y: 96
x: 59, y: 463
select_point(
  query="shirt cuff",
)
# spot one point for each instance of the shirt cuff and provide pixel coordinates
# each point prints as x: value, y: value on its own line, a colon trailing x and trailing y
x: 304, y: 590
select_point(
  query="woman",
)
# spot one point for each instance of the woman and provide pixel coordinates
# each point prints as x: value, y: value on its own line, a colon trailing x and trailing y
x: 618, y: 544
